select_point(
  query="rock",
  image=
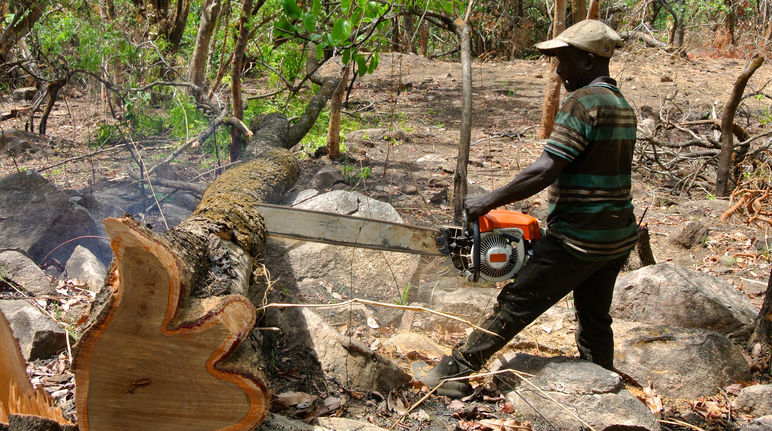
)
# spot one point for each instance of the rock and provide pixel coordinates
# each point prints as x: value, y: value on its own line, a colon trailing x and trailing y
x: 24, y: 93
x: 349, y: 361
x: 23, y: 145
x: 676, y: 296
x: 432, y: 160
x: 39, y: 337
x: 406, y: 342
x: 470, y: 303
x: 689, y: 234
x: 377, y: 135
x: 327, y: 177
x: 22, y: 272
x: 763, y: 423
x: 174, y: 215
x: 297, y: 197
x: 37, y: 218
x: 409, y: 189
x: 439, y: 197
x: 595, y: 394
x: 355, y: 272
x: 681, y: 362
x: 274, y: 422
x: 86, y: 268
x: 755, y: 400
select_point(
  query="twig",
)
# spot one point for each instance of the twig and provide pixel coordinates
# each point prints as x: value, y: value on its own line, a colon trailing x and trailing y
x: 379, y: 304
x: 519, y: 374
x: 71, y: 159
x: 681, y: 423
x: 201, y: 137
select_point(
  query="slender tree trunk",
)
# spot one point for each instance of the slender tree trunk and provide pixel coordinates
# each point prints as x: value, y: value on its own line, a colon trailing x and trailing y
x: 552, y: 91
x: 423, y: 38
x: 459, y: 175
x: 237, y: 137
x: 177, y: 27
x: 210, y: 11
x: 407, y: 34
x: 593, y: 11
x: 727, y: 125
x: 395, y: 46
x: 336, y: 104
x: 52, y: 89
x: 11, y: 35
x: 762, y: 327
x: 731, y: 19
x: 578, y: 10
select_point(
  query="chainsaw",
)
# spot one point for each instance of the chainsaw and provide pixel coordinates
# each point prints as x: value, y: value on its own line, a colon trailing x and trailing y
x: 493, y: 247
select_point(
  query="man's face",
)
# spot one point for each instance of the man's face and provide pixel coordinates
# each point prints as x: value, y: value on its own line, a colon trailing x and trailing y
x: 573, y: 67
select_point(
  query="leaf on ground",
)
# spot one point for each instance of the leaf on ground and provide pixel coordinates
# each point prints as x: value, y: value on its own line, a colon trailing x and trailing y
x: 396, y: 403
x: 287, y: 399
x: 652, y: 400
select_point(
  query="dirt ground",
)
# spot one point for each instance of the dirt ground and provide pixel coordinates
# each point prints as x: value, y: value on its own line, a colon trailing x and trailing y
x: 422, y: 99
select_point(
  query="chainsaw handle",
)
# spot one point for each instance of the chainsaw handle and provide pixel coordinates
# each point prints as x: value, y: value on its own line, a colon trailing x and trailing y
x: 475, y: 276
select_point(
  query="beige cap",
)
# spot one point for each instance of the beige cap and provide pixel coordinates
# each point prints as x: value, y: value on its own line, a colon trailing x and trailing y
x: 588, y: 35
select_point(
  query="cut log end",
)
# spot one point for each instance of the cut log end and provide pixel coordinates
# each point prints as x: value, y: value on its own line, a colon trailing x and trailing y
x: 154, y: 360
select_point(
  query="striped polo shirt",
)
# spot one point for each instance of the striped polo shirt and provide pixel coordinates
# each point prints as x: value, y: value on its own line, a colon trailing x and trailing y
x: 590, y: 204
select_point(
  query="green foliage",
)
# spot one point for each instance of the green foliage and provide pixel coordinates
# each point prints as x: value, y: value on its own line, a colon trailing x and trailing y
x: 403, y: 297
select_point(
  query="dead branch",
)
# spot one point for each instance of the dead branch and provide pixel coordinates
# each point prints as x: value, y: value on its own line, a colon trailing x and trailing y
x: 727, y: 122
x: 196, y: 140
x: 643, y: 37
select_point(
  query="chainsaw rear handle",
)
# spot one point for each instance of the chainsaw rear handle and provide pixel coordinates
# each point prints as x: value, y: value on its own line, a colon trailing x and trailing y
x: 474, y: 227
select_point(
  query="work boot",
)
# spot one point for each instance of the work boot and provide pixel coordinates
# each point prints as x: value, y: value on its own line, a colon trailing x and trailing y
x: 448, y: 367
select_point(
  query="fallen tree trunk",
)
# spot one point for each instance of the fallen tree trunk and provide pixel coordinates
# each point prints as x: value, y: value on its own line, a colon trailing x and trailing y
x: 171, y: 346
x: 20, y: 403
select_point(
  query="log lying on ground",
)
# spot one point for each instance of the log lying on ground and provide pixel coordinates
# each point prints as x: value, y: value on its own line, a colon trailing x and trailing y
x: 172, y: 345
x: 18, y: 399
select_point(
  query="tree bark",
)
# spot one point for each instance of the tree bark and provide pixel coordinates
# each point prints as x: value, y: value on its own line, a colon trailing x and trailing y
x: 578, y: 10
x: 336, y: 104
x: 762, y: 327
x: 237, y: 137
x: 52, y: 89
x: 17, y: 29
x: 177, y: 24
x: 210, y: 11
x: 552, y: 90
x: 727, y: 126
x: 593, y: 11
x: 423, y: 38
x: 459, y: 176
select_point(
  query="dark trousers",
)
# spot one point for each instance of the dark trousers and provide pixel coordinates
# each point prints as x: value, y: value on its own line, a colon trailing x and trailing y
x: 549, y: 275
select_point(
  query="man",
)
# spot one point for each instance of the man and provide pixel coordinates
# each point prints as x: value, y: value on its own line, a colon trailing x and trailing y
x: 591, y: 227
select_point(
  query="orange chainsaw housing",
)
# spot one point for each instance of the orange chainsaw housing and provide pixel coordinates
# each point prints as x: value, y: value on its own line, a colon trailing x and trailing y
x: 504, y: 219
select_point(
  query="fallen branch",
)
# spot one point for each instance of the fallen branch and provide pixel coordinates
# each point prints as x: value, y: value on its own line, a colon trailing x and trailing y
x: 196, y: 140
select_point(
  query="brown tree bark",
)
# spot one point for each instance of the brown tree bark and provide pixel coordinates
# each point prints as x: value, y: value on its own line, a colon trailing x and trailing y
x: 459, y: 175
x: 578, y: 10
x: 237, y: 137
x: 552, y: 90
x: 593, y: 11
x: 52, y: 89
x: 177, y: 310
x: 762, y: 326
x: 423, y: 38
x: 176, y: 26
x: 24, y: 19
x: 336, y: 104
x: 727, y: 126
x: 210, y: 11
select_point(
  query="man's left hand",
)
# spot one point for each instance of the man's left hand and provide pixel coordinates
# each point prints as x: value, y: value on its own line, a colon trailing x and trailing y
x: 478, y: 205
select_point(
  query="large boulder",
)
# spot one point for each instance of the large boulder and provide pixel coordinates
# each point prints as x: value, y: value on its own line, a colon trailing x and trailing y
x: 331, y: 270
x: 18, y: 269
x: 675, y: 296
x: 39, y: 219
x: 763, y: 423
x: 350, y: 361
x: 594, y: 394
x: 39, y: 336
x: 681, y: 362
x: 86, y: 268
x: 755, y: 400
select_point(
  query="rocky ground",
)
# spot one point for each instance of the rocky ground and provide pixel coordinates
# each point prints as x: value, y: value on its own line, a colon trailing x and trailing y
x: 411, y: 110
